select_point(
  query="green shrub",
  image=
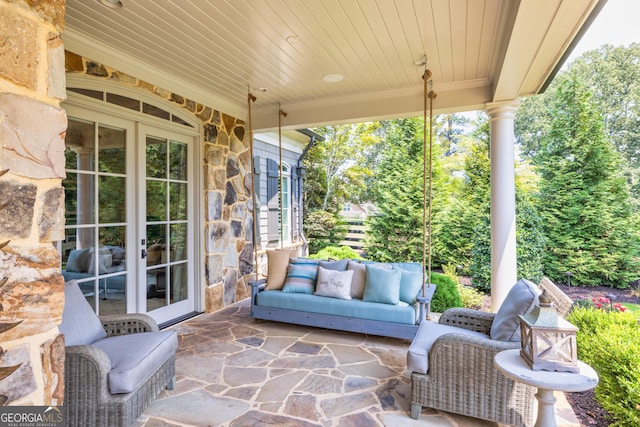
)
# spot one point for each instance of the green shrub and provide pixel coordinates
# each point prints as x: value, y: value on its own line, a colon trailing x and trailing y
x: 334, y: 252
x: 451, y: 271
x: 470, y: 297
x: 323, y: 229
x: 610, y: 343
x: 446, y: 295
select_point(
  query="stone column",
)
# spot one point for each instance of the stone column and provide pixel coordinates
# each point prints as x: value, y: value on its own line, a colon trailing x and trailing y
x: 503, y: 201
x: 32, y: 130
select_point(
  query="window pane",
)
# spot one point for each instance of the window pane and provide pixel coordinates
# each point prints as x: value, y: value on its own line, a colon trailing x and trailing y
x: 112, y: 143
x: 178, y: 282
x: 155, y: 111
x: 178, y: 201
x: 156, y: 158
x: 178, y: 161
x: 156, y: 288
x: 112, y: 199
x: 156, y: 238
x: 75, y: 252
x: 79, y: 142
x: 79, y: 198
x: 156, y: 200
x: 114, y: 238
x: 178, y: 242
x: 123, y: 101
x: 97, y: 94
x: 176, y: 119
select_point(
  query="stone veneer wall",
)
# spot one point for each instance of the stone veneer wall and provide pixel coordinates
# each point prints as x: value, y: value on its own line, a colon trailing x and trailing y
x: 228, y: 221
x: 32, y: 129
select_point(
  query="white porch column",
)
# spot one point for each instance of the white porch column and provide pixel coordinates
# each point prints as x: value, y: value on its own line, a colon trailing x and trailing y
x: 503, y: 201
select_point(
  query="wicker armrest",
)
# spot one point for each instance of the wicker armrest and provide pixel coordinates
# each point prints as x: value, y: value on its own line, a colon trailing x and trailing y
x: 124, y: 324
x: 87, y: 367
x: 464, y: 343
x: 466, y: 318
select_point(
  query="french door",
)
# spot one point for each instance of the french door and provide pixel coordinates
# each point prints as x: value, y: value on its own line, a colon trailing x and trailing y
x: 129, y: 202
x: 166, y: 217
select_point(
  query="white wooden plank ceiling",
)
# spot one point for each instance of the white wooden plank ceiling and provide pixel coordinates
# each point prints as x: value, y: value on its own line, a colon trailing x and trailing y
x: 211, y: 51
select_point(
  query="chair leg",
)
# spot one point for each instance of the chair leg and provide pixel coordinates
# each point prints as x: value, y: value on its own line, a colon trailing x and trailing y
x: 172, y: 383
x: 415, y: 411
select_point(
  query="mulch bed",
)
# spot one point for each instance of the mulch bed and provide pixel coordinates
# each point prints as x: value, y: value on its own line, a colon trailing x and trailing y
x: 587, y: 409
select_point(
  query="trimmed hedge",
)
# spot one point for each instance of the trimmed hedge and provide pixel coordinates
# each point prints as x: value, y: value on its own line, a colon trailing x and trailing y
x: 610, y: 343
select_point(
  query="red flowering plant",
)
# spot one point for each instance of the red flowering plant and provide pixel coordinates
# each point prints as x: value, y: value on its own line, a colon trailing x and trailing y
x: 599, y: 303
x: 604, y: 303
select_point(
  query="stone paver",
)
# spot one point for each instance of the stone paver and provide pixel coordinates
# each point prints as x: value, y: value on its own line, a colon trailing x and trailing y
x: 235, y: 371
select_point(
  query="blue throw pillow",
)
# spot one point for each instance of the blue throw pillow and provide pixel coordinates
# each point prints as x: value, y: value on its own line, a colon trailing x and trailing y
x: 339, y: 265
x: 410, y: 285
x: 301, y: 278
x: 304, y: 261
x: 382, y: 286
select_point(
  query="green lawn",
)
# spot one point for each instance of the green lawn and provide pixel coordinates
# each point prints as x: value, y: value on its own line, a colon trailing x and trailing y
x: 632, y: 308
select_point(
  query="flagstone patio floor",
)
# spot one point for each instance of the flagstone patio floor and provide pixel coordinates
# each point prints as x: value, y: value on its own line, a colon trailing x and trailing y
x: 236, y: 371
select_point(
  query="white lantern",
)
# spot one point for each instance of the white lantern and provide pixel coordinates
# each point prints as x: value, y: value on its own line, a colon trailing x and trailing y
x: 548, y: 341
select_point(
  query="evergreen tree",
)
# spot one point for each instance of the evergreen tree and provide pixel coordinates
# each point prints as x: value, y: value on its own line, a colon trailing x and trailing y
x: 395, y: 233
x: 612, y: 74
x: 466, y: 206
x: 466, y: 235
x: 530, y: 243
x: 584, y: 200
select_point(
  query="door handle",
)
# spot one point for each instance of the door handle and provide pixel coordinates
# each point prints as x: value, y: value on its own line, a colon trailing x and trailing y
x: 144, y: 253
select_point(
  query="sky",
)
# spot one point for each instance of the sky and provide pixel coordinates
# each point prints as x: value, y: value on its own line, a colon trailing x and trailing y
x: 616, y: 24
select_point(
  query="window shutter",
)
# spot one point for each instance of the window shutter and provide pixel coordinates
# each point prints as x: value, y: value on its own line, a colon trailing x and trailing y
x: 256, y: 189
x: 295, y: 202
x: 273, y: 200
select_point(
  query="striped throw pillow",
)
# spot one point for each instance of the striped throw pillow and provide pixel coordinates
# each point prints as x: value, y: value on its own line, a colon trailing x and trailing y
x: 301, y: 278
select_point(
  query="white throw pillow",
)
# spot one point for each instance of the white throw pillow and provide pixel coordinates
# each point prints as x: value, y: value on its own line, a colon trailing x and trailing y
x: 335, y: 284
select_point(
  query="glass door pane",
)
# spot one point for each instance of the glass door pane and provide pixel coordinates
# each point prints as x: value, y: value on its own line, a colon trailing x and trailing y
x: 94, y: 249
x: 166, y: 222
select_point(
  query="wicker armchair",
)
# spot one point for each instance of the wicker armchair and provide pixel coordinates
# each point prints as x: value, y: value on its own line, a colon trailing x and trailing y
x: 101, y: 385
x: 460, y: 376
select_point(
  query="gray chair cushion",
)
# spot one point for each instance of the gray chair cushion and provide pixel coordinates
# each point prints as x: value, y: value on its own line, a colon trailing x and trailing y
x: 521, y: 299
x: 428, y: 332
x: 80, y: 324
x: 136, y: 356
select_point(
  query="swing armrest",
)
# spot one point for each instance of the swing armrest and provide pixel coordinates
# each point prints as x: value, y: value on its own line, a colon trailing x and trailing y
x: 425, y: 301
x: 257, y: 286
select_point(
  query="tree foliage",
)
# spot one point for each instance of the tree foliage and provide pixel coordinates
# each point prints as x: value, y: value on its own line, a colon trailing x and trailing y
x: 612, y: 74
x: 584, y: 200
x: 467, y: 202
x: 323, y: 229
x: 395, y: 233
x: 336, y: 166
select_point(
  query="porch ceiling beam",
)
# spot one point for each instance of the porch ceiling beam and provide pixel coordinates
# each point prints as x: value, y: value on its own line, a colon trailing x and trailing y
x: 456, y: 97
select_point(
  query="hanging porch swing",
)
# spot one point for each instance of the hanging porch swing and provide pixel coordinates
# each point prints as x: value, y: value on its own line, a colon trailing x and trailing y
x: 360, y: 314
